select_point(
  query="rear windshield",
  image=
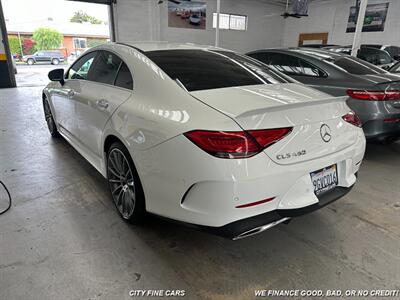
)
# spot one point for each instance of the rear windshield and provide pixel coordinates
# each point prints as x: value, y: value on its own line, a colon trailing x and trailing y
x: 204, y: 69
x: 357, y: 67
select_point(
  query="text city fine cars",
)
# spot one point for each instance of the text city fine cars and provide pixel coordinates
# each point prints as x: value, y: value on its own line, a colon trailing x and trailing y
x: 204, y: 136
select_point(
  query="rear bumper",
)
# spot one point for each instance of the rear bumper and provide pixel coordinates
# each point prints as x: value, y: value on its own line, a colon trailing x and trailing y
x: 379, y: 130
x: 236, y: 229
x: 374, y: 116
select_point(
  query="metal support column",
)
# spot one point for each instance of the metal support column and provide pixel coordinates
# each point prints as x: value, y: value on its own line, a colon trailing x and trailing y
x: 217, y: 27
x: 359, y: 27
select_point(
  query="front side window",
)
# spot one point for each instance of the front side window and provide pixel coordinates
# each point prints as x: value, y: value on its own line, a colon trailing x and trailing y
x: 80, y: 69
x: 204, y: 69
x: 105, y: 68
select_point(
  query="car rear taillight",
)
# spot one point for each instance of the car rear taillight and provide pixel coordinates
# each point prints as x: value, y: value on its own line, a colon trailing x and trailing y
x: 352, y: 118
x: 382, y: 95
x: 236, y: 144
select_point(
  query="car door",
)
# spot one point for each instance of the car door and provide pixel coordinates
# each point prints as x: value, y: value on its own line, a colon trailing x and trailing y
x: 109, y: 84
x: 65, y: 97
x: 39, y: 56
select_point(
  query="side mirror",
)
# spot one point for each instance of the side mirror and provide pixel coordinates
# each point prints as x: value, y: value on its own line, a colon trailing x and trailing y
x: 57, y: 75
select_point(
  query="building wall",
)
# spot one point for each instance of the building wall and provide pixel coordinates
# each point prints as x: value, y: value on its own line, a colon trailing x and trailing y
x: 68, y: 45
x: 332, y: 15
x: 143, y: 20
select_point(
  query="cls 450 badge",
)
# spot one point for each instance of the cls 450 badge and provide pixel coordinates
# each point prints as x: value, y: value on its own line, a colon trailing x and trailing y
x: 290, y: 155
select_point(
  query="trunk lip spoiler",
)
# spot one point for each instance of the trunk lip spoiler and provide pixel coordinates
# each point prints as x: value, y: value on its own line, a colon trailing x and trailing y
x: 292, y: 105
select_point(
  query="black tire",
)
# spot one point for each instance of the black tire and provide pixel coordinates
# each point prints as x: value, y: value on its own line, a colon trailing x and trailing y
x: 126, y: 190
x: 48, y: 115
x: 30, y: 61
x: 55, y: 61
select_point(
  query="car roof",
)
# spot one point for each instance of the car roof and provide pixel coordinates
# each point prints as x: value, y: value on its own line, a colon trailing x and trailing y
x: 309, y: 52
x: 160, y: 45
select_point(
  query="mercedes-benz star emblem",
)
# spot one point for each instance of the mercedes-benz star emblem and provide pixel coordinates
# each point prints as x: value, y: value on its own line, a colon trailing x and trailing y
x: 325, y: 132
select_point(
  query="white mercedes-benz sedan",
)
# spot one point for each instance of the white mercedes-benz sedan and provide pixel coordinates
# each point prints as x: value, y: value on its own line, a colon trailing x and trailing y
x: 204, y: 136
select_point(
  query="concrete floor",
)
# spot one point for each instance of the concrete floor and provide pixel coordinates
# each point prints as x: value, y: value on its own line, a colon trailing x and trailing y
x: 35, y: 75
x: 63, y: 238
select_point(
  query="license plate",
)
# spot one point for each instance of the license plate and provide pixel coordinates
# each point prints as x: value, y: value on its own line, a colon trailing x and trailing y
x: 324, y: 180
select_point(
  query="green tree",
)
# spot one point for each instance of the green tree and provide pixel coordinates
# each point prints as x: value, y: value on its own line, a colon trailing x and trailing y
x: 15, y: 47
x: 81, y: 17
x: 47, y: 38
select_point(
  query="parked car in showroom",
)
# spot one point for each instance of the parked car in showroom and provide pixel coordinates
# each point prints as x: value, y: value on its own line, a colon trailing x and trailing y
x: 52, y: 57
x: 374, y: 56
x: 394, y: 51
x: 318, y: 46
x: 204, y: 136
x: 374, y: 93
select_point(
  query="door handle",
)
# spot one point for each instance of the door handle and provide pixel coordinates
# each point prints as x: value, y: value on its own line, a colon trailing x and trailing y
x: 102, y: 103
x: 71, y: 93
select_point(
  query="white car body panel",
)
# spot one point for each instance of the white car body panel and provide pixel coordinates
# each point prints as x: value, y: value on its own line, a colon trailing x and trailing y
x: 179, y: 179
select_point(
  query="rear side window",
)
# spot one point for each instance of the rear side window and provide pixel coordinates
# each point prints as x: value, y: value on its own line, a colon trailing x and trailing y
x: 261, y: 56
x: 356, y: 66
x: 203, y: 69
x: 124, y: 78
x: 105, y: 68
x: 292, y: 65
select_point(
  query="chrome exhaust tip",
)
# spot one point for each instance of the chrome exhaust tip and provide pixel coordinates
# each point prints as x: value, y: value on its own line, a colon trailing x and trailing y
x: 259, y: 229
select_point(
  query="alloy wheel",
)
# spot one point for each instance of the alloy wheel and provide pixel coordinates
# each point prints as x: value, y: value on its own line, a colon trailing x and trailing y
x: 121, y: 181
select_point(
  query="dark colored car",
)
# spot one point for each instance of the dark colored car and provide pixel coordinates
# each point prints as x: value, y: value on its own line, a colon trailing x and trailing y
x: 374, y: 94
x: 394, y: 51
x: 372, y: 55
x: 318, y: 46
x: 53, y: 57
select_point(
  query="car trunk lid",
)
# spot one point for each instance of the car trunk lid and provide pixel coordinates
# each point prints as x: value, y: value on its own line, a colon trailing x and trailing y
x: 313, y: 115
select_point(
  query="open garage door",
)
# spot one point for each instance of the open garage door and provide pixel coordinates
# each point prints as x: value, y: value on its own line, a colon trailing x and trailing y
x: 50, y: 34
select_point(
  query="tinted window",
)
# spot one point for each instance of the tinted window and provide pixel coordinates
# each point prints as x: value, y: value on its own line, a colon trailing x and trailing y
x: 81, y: 67
x: 261, y: 56
x: 201, y: 69
x: 393, y: 51
x: 124, y: 78
x: 292, y: 65
x: 105, y: 68
x: 356, y: 66
x: 377, y: 57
